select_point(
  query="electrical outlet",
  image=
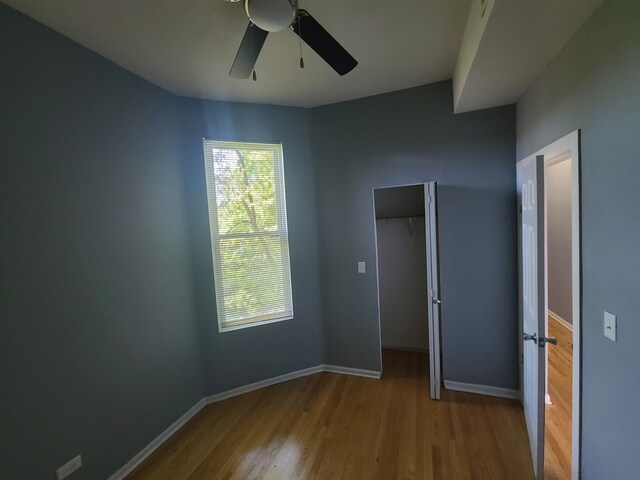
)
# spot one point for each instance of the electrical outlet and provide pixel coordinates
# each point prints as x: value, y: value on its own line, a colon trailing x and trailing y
x: 69, y: 467
x: 362, y: 267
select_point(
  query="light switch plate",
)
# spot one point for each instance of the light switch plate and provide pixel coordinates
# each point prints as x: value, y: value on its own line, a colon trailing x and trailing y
x: 610, y: 330
x: 362, y: 267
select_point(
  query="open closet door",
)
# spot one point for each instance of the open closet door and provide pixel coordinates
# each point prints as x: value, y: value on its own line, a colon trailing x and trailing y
x: 533, y: 301
x: 433, y: 286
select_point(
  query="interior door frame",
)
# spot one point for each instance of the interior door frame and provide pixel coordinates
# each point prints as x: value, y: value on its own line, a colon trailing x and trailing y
x: 437, y: 341
x: 566, y: 146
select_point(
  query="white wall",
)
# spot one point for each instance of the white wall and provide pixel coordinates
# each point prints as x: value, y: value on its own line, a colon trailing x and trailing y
x: 403, y: 284
x: 558, y: 197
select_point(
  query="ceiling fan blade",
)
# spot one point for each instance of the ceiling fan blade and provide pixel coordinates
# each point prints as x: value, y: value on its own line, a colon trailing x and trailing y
x: 248, y: 52
x: 323, y: 43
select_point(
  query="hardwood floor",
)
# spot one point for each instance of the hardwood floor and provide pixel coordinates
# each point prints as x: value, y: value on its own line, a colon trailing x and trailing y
x: 557, y: 458
x: 330, y: 426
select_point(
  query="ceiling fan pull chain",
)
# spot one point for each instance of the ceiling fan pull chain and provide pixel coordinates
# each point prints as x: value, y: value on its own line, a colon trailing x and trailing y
x: 300, y: 39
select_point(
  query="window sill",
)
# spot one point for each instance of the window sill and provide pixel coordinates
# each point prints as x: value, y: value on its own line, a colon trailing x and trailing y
x: 223, y: 329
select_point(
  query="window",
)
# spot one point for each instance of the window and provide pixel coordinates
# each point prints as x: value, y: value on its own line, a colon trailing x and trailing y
x: 248, y: 219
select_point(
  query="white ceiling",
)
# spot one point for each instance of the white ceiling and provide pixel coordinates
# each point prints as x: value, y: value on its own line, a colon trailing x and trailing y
x: 188, y: 46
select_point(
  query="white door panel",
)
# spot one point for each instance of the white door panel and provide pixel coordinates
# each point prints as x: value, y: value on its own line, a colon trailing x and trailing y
x: 533, y: 294
x: 433, y: 286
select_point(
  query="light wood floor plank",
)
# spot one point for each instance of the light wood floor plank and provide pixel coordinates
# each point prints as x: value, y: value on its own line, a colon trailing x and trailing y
x: 557, y: 458
x: 331, y: 426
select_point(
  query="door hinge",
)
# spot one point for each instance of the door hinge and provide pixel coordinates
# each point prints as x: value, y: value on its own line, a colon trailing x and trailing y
x: 434, y: 298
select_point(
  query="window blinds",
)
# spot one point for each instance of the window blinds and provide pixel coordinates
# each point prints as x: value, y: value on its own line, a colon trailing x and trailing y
x: 248, y: 220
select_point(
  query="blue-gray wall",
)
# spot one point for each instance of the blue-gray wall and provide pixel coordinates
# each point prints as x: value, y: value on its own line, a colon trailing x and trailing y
x: 408, y: 137
x: 98, y: 339
x: 594, y: 85
x: 109, y: 329
x: 239, y: 357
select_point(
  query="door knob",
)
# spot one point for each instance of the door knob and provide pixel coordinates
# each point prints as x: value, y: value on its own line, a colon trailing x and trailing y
x: 528, y: 336
x: 551, y: 340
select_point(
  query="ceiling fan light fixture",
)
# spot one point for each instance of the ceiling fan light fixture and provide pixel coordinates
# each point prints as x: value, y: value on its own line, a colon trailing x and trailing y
x: 271, y: 15
x: 276, y: 15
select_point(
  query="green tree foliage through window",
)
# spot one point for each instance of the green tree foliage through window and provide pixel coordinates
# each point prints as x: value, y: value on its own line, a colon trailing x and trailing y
x: 249, y: 232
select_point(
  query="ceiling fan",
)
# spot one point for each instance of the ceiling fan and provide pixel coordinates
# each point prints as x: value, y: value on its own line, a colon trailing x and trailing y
x: 277, y: 15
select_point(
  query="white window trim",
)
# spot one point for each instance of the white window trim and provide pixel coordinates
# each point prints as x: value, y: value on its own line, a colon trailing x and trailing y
x: 280, y: 194
x: 257, y: 323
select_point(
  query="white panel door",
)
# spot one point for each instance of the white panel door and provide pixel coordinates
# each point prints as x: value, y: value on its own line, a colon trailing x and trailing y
x: 433, y: 286
x: 533, y: 301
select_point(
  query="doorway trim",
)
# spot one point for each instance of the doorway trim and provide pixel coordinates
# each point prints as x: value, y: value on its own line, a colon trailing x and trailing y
x: 566, y: 146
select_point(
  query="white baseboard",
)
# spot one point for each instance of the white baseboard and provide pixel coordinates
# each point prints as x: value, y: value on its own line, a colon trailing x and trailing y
x: 164, y: 436
x: 128, y: 467
x: 405, y: 349
x: 560, y: 320
x: 358, y: 372
x: 547, y: 399
x: 218, y: 397
x: 482, y: 389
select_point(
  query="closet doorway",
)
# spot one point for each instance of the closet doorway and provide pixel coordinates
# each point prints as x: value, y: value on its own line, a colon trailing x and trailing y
x: 408, y: 273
